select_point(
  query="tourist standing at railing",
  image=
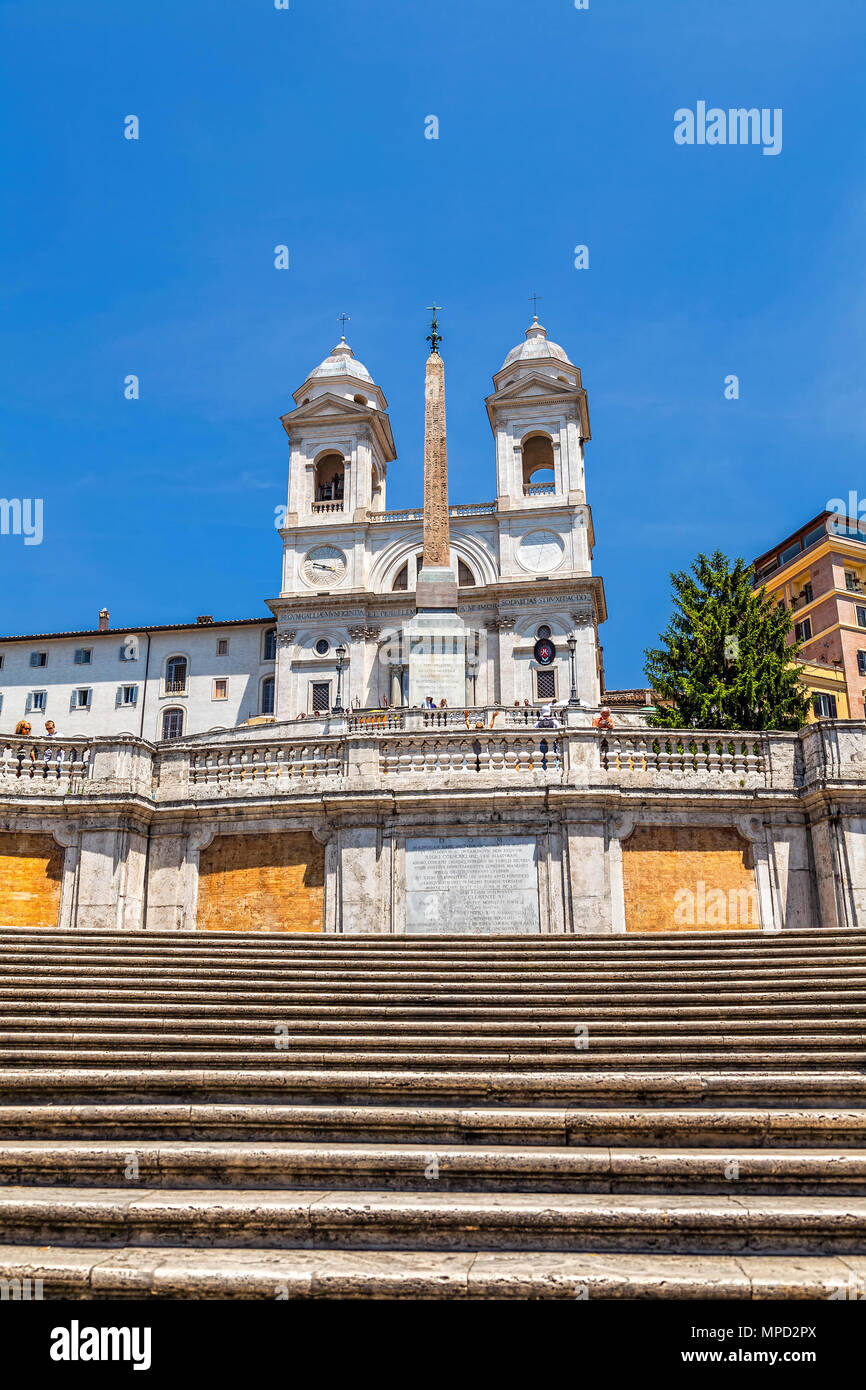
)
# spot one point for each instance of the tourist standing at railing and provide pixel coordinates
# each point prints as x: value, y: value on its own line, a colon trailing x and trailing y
x: 604, y: 720
x: 547, y: 720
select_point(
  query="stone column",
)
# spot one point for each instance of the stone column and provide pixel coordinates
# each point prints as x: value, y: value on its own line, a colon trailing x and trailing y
x: 507, y: 674
x: 395, y: 670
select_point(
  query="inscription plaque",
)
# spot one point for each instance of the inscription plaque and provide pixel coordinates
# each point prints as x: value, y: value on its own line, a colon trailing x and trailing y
x: 472, y: 887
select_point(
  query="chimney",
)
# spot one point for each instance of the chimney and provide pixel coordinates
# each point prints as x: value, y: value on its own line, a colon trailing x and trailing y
x: 103, y: 619
x: 204, y: 619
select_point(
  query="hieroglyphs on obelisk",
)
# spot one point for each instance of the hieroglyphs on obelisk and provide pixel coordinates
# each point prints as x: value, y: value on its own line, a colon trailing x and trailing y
x: 437, y: 547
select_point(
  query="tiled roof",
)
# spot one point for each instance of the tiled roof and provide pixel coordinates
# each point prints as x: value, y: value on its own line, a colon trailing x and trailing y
x: 139, y: 627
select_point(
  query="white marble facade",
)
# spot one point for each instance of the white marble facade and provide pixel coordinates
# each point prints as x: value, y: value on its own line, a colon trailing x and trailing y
x: 523, y: 559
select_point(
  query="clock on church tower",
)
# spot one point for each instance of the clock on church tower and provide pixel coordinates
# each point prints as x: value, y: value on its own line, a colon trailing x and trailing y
x: 324, y: 566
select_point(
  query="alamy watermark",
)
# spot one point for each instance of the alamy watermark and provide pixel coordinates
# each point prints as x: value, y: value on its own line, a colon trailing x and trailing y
x: 712, y: 125
x: 22, y: 516
x: 846, y: 512
x: 706, y: 906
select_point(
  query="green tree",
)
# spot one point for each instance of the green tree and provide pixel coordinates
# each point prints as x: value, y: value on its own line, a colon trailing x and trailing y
x: 726, y: 662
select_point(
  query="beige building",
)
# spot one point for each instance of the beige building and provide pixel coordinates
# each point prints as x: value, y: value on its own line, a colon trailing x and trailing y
x: 819, y: 573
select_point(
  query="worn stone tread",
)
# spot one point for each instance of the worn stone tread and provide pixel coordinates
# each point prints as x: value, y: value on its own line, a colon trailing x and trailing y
x: 181, y: 1273
x: 422, y: 1167
x: 804, y: 1128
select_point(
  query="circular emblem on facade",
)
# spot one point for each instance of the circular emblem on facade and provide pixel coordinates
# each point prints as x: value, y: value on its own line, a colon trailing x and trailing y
x: 541, y: 551
x: 544, y: 651
x: 324, y: 566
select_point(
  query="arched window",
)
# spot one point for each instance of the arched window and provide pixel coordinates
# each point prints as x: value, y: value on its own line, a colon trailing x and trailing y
x: 270, y: 647
x: 172, y: 723
x: 401, y: 579
x: 538, y: 461
x: 465, y: 577
x: 175, y: 675
x: 330, y: 474
x: 268, y: 695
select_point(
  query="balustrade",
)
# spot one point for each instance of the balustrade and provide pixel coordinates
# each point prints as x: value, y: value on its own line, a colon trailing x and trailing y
x: 53, y: 764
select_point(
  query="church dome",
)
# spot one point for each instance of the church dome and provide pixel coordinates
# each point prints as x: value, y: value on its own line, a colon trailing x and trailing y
x: 341, y: 362
x: 536, y: 348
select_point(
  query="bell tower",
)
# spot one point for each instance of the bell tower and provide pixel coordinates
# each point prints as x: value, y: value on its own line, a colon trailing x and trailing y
x: 340, y: 443
x: 540, y: 420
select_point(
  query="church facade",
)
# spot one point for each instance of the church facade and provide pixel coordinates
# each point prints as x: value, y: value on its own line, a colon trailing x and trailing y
x: 523, y: 560
x: 382, y: 809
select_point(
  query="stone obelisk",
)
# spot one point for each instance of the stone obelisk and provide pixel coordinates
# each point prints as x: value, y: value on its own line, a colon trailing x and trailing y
x: 437, y: 584
x: 437, y: 636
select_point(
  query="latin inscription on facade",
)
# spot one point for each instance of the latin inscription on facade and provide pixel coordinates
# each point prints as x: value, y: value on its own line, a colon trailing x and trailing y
x: 478, y: 886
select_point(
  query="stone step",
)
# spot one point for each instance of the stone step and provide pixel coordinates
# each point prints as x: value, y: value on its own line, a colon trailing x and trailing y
x: 708, y: 1087
x: 416, y: 1167
x: 272, y: 1219
x: 659, y: 1127
x: 343, y: 1032
x: 172, y: 1272
x: 383, y: 1016
x: 554, y: 958
x: 298, y: 980
x: 553, y: 962
x: 808, y: 936
x: 40, y: 998
x: 288, y: 1057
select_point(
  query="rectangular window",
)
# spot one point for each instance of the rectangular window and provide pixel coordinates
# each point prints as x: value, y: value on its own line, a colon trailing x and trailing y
x: 38, y: 700
x: 808, y: 593
x: 223, y: 646
x: 320, y: 696
x: 861, y: 663
x: 852, y: 582
x: 271, y: 645
x: 824, y: 706
x: 128, y: 695
x: 84, y: 656
x: 38, y: 658
x: 861, y: 615
x: 81, y: 698
x: 545, y: 685
x: 803, y: 630
x: 814, y: 537
x: 789, y: 552
x: 221, y: 690
x: 1, y: 661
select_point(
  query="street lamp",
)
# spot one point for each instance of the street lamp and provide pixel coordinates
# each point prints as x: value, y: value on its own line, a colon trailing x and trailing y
x: 572, y: 699
x: 341, y: 661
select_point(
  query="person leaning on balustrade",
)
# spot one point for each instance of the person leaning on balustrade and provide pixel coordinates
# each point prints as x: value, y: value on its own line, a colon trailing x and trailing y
x: 604, y: 720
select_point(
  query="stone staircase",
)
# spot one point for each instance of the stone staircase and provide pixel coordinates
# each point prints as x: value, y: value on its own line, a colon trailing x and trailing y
x: 551, y: 1117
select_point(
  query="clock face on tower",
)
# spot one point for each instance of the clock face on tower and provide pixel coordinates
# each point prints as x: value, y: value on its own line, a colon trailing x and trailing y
x: 541, y: 551
x: 324, y: 566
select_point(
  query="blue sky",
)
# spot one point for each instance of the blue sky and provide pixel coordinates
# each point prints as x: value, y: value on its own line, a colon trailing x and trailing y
x: 306, y: 127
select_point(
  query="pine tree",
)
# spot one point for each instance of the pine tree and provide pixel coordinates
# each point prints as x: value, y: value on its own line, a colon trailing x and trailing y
x: 725, y: 663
